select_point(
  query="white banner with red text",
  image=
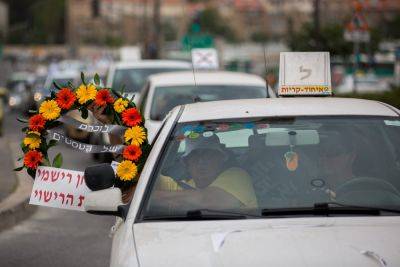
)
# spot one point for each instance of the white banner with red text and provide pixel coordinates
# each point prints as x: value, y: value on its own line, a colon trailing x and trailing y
x: 59, y: 188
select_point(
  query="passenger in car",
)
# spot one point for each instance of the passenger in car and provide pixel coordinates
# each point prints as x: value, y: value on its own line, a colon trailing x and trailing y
x: 210, y: 183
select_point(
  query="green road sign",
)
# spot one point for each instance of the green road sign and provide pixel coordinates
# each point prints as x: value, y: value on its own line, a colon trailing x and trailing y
x: 191, y: 41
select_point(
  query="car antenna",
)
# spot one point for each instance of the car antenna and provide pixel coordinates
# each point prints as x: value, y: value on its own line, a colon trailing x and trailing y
x: 266, y: 69
x: 190, y: 48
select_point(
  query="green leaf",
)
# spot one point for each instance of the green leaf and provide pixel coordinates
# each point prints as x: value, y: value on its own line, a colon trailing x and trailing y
x: 18, y: 169
x: 18, y: 159
x: 46, y: 162
x: 24, y: 129
x: 32, y: 173
x: 53, y: 94
x: 118, y: 119
x: 52, y: 143
x: 84, y: 113
x: 33, y: 135
x: 70, y: 85
x: 97, y: 79
x: 122, y: 89
x: 57, y: 161
x: 56, y: 85
x: 22, y: 120
x: 24, y: 148
x: 83, y: 78
x: 116, y: 93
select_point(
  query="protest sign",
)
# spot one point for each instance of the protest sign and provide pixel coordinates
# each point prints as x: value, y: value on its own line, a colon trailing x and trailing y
x: 59, y: 188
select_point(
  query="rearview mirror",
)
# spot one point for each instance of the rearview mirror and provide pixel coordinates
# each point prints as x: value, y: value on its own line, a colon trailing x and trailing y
x: 286, y: 137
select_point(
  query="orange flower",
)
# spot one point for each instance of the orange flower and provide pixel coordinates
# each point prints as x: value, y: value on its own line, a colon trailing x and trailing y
x: 36, y: 123
x: 65, y: 98
x: 103, y: 98
x: 32, y: 159
x: 131, y: 117
x: 132, y: 152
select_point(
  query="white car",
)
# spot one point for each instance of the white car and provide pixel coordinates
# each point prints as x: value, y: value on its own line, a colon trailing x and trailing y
x: 133, y: 75
x: 167, y: 90
x: 264, y: 182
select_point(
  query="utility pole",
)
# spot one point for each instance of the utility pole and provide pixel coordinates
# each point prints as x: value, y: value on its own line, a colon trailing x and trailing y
x: 156, y: 38
x: 317, y: 25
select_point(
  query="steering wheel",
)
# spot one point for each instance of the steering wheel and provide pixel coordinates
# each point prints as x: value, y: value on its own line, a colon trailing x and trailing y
x: 362, y: 188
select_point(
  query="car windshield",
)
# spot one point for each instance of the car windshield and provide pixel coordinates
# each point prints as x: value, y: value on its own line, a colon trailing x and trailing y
x: 251, y: 165
x: 134, y: 79
x: 168, y: 97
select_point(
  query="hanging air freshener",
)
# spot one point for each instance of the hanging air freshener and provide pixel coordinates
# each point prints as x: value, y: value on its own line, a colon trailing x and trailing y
x: 291, y: 157
x: 292, y: 160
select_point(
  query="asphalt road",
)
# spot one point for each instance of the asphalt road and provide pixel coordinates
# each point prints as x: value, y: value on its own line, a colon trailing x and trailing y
x: 54, y: 237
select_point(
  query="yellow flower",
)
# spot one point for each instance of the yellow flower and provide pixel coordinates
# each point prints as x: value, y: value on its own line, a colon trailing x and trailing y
x: 86, y: 93
x: 32, y: 142
x: 126, y: 170
x: 120, y: 105
x: 50, y: 110
x: 135, y: 135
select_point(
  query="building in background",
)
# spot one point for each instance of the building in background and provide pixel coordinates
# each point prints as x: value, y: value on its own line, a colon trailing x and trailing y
x: 118, y: 22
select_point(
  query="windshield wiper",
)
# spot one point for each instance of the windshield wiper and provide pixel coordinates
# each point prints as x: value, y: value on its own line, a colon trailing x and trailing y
x: 201, y: 214
x: 326, y: 209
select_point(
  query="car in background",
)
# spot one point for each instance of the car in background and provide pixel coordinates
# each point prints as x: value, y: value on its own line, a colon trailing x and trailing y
x: 61, y: 78
x: 165, y: 91
x: 263, y: 182
x: 133, y: 75
x: 20, y: 92
x: 369, y: 83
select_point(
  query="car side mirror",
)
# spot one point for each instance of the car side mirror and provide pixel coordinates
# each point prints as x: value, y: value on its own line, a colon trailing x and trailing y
x: 99, y: 177
x: 105, y: 202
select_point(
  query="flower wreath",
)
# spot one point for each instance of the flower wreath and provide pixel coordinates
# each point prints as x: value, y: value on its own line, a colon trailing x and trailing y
x: 117, y: 106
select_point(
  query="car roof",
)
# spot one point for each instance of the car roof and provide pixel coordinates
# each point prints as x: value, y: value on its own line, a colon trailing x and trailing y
x: 205, y: 78
x: 280, y: 107
x: 152, y: 64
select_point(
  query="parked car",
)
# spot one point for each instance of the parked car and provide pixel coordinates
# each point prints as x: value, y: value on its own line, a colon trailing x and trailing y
x: 166, y: 90
x: 133, y: 75
x: 20, y: 94
x: 264, y: 182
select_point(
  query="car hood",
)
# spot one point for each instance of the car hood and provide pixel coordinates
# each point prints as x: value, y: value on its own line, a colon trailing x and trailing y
x: 362, y: 241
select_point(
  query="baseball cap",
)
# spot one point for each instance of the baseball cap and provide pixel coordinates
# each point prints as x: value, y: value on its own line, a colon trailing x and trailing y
x: 203, y: 143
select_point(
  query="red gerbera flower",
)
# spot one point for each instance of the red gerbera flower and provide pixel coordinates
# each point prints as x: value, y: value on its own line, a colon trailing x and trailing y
x: 36, y: 123
x: 131, y: 117
x: 132, y: 152
x: 65, y: 98
x: 103, y: 97
x: 32, y: 159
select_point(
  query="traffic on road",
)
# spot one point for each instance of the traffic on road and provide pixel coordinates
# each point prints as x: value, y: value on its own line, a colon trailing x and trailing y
x: 201, y: 133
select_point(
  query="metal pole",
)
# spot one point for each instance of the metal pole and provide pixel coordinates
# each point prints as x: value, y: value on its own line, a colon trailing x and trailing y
x: 317, y: 24
x: 356, y: 51
x: 157, y: 28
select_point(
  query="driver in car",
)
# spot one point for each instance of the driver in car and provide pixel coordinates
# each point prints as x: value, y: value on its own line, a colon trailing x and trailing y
x: 337, y: 155
x: 211, y: 183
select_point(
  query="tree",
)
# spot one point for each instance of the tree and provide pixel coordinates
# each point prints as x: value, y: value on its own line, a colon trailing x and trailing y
x: 210, y: 21
x: 36, y: 21
x: 331, y: 39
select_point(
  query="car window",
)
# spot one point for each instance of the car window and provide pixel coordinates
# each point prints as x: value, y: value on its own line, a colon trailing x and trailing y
x: 167, y: 97
x: 291, y: 162
x: 134, y: 79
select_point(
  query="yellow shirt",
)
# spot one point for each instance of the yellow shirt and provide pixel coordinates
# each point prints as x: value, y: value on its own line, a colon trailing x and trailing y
x: 234, y: 181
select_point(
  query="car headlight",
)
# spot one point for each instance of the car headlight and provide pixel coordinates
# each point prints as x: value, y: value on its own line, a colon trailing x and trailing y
x: 37, y: 96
